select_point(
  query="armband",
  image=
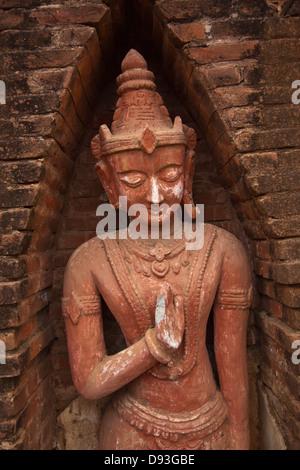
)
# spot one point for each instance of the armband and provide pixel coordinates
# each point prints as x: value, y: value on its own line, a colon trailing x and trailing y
x: 234, y: 298
x: 75, y: 306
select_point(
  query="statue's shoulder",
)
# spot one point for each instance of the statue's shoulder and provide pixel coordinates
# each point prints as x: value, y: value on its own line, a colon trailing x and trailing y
x: 225, y: 241
x: 86, y: 255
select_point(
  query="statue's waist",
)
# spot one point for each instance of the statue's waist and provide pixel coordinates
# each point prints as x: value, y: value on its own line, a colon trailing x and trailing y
x: 169, y: 425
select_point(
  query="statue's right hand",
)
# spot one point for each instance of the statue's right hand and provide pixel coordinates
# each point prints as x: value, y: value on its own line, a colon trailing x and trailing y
x: 169, y: 319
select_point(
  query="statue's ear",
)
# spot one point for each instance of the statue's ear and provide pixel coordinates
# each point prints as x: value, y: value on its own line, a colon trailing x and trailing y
x: 105, y: 176
x: 189, y: 169
x: 102, y: 169
x: 96, y: 147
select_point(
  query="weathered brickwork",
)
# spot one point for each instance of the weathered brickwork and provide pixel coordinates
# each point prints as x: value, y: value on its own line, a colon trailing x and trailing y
x: 231, y: 65
x: 53, y: 58
x: 235, y: 72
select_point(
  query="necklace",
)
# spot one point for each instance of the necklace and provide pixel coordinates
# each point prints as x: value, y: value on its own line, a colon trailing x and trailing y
x: 157, y: 256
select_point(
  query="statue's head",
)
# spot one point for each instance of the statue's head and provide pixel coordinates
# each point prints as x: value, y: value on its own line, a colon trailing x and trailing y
x: 145, y: 156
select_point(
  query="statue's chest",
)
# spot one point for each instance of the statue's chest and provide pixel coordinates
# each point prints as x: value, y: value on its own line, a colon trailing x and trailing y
x: 140, y: 278
x: 149, y: 287
x: 141, y: 271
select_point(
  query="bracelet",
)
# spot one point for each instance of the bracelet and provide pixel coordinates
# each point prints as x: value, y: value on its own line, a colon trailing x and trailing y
x: 157, y: 352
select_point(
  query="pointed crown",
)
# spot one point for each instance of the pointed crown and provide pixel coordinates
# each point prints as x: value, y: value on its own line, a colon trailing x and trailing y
x: 141, y: 121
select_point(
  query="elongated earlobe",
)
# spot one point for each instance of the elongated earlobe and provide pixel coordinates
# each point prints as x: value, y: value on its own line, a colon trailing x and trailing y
x: 189, y: 169
x: 108, y: 184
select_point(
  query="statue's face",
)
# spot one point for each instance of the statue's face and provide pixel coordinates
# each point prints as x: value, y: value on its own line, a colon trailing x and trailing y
x: 157, y: 178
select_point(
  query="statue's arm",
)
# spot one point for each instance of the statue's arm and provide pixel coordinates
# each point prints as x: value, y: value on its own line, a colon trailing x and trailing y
x: 95, y: 374
x: 230, y: 329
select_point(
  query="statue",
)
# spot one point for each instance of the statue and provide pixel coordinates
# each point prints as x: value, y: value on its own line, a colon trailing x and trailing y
x: 164, y: 394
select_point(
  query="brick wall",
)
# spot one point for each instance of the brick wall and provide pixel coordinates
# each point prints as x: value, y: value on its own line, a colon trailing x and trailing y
x: 53, y: 62
x: 230, y: 65
x: 233, y: 64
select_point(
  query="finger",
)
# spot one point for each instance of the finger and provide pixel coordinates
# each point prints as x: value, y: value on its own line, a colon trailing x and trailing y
x: 160, y: 310
x: 167, y: 293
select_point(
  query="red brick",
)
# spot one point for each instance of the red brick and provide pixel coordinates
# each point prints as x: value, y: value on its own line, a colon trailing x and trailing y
x: 258, y: 139
x: 189, y: 9
x: 247, y: 209
x: 74, y: 239
x: 30, y: 104
x: 10, y: 292
x: 287, y: 249
x: 32, y: 304
x: 21, y: 171
x: 64, y: 136
x: 270, y: 161
x: 238, y: 95
x: 222, y: 52
x: 280, y: 50
x: 262, y: 249
x: 11, y: 267
x: 11, y: 18
x: 238, y: 190
x: 278, y: 331
x: 12, y: 219
x: 292, y: 317
x: 66, y: 14
x: 289, y: 295
x: 238, y: 118
x: 273, y: 182
x: 282, y: 27
x: 40, y: 341
x: 23, y: 147
x: 223, y: 151
x: 263, y: 268
x: 187, y: 32
x: 280, y: 228
x: 277, y: 205
x: 238, y: 27
x: 267, y: 287
x: 222, y: 75
x: 42, y: 58
x: 38, y: 261
x: 286, y: 272
x: 15, y: 196
x: 272, y: 306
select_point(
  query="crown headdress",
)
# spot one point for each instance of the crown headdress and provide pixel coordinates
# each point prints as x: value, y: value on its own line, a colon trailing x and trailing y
x: 141, y: 121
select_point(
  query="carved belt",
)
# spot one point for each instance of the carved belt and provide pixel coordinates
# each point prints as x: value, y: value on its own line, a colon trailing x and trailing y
x: 193, y: 425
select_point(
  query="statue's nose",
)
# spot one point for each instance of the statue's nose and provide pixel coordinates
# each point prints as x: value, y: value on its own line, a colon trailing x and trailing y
x: 154, y: 195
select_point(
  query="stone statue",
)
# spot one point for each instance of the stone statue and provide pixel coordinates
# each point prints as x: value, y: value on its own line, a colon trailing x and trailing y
x: 160, y: 293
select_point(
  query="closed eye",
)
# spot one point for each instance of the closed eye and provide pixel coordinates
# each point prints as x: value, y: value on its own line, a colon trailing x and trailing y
x: 171, y: 174
x: 133, y: 179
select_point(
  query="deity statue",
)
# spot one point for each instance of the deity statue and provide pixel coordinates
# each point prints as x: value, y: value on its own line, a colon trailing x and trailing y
x: 164, y: 393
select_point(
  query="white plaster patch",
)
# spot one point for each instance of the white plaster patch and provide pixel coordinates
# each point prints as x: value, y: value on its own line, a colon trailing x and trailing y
x: 160, y: 309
